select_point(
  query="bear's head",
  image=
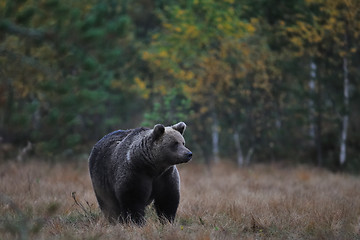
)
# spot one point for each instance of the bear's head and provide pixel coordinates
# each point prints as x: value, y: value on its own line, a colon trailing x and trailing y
x: 169, y: 144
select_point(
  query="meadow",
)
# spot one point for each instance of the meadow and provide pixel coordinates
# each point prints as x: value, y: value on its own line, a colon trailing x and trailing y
x: 42, y: 200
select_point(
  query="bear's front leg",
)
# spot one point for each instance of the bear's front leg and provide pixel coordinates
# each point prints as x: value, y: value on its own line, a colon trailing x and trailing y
x: 167, y: 194
x: 133, y: 196
x: 135, y: 213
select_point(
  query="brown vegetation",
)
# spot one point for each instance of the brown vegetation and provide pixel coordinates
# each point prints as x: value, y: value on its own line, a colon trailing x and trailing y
x: 40, y: 200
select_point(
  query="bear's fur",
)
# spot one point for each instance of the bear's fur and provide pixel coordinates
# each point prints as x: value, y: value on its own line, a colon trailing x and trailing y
x: 131, y: 168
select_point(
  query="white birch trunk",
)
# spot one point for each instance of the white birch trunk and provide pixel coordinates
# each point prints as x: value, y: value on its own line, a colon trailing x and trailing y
x: 312, y: 80
x: 215, y: 138
x: 346, y: 115
x: 240, y: 156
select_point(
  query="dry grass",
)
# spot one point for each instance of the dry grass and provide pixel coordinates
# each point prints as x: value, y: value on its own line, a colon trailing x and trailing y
x: 260, y: 202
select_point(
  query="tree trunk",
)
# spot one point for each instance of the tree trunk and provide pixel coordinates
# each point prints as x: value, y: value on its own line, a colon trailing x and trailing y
x: 311, y: 101
x: 9, y: 102
x: 240, y: 156
x: 215, y: 138
x: 318, y: 128
x: 248, y: 156
x: 346, y: 114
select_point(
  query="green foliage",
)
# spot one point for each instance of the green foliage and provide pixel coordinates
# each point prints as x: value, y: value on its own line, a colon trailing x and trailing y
x: 171, y: 108
x: 90, y: 67
x: 73, y: 66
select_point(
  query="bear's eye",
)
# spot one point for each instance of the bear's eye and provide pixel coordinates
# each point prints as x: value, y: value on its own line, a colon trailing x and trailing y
x: 174, y: 144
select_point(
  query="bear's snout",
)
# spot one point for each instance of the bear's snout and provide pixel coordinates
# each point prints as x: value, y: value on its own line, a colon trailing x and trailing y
x: 184, y: 157
x: 189, y: 155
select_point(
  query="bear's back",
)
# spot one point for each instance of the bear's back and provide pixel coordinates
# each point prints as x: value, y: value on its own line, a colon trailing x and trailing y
x: 106, y: 145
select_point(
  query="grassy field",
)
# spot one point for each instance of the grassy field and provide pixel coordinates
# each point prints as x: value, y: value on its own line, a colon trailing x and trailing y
x: 41, y: 200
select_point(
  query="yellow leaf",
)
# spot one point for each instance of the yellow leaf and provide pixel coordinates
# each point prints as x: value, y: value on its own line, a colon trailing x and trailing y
x: 189, y: 75
x: 163, y: 54
x: 139, y: 83
x: 146, y: 55
x: 162, y: 89
x: 204, y: 109
x: 115, y: 84
x: 250, y: 28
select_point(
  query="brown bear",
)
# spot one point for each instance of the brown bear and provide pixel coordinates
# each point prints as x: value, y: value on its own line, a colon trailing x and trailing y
x: 131, y: 168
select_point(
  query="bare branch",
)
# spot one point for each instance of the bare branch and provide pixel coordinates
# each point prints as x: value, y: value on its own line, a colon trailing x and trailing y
x: 22, y: 31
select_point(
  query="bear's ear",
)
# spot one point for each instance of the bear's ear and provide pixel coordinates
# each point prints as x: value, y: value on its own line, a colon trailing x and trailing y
x: 158, y: 131
x: 180, y: 127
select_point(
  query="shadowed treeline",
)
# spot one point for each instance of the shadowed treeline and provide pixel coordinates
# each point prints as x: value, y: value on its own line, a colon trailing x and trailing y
x: 255, y: 81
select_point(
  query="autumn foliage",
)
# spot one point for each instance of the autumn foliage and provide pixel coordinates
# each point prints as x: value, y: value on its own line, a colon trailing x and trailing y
x: 254, y: 80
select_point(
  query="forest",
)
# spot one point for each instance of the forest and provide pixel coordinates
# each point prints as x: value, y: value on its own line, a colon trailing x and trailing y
x: 256, y: 81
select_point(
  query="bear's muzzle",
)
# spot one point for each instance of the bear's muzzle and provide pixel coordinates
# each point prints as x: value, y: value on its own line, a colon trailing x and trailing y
x: 186, y: 157
x: 189, y: 155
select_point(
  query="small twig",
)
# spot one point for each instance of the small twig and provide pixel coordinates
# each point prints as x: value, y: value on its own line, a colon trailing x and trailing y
x: 201, y: 221
x: 90, y: 206
x: 73, y: 194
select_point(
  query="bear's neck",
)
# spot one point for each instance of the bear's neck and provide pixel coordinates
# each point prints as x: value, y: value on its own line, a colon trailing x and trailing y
x: 149, y: 171
x: 142, y: 160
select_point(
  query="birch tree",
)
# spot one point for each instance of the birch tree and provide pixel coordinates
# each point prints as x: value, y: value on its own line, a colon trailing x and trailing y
x: 341, y: 27
x: 312, y: 83
x: 193, y: 51
x: 345, y: 118
x: 330, y: 35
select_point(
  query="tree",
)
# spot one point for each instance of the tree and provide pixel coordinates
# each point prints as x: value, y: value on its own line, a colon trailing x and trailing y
x: 204, y: 48
x: 324, y: 35
x: 76, y: 58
